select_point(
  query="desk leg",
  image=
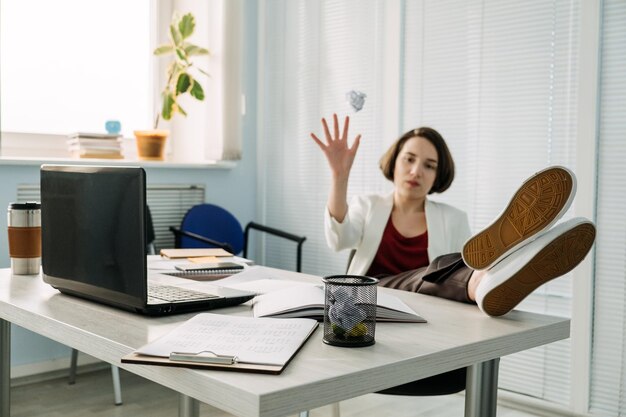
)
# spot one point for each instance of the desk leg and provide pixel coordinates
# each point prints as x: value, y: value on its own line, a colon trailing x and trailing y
x: 481, y: 391
x: 187, y: 406
x: 5, y: 368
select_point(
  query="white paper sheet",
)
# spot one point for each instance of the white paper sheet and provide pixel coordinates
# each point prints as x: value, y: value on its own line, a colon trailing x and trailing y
x: 252, y: 340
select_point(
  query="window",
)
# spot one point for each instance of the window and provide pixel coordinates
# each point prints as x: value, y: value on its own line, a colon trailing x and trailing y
x: 72, y: 65
x: 608, y: 394
x: 497, y: 78
x: 95, y: 63
x: 503, y: 93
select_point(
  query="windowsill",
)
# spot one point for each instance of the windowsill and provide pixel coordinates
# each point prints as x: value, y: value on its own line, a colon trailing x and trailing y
x: 37, y: 149
x: 16, y: 160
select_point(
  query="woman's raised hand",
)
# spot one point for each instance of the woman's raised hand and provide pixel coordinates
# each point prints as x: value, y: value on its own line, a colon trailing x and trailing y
x: 339, y: 155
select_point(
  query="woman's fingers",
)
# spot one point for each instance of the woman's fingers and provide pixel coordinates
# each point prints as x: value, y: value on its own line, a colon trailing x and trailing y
x: 318, y: 141
x: 355, y: 144
x: 326, y: 131
x: 330, y: 139
x: 346, y: 124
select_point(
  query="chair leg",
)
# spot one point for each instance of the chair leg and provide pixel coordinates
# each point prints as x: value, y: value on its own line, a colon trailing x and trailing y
x: 72, y: 376
x: 115, y: 374
x: 117, y: 388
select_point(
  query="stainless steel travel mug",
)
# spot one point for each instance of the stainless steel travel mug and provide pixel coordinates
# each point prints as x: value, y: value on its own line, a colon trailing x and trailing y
x: 24, y: 221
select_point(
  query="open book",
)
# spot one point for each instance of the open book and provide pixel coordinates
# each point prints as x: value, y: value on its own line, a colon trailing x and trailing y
x: 308, y: 301
x: 228, y: 343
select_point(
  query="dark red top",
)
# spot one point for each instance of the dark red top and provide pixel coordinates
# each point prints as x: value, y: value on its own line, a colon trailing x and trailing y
x: 397, y: 253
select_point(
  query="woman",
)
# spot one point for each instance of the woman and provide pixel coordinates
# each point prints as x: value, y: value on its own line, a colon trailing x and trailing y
x: 411, y: 243
x: 396, y: 236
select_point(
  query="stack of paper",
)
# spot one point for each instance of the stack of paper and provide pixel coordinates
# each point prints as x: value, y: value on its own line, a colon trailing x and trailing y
x: 95, y: 145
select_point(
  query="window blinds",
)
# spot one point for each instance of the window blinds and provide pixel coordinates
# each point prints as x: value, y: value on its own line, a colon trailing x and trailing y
x: 318, y: 51
x: 496, y: 78
x: 608, y: 364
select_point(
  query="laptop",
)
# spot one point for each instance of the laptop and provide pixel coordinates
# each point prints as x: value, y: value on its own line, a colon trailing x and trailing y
x: 93, y: 231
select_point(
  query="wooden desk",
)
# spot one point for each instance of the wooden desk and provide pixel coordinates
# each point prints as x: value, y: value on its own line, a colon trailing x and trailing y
x: 456, y: 335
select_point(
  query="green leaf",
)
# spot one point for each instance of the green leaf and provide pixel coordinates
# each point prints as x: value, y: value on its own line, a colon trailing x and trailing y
x: 163, y: 49
x: 175, y: 35
x: 195, y: 50
x: 183, y: 83
x: 180, y: 110
x: 197, y: 91
x: 186, y: 25
x: 168, y: 106
x: 181, y: 54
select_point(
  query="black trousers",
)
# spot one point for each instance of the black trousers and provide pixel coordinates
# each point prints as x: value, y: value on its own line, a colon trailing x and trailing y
x: 447, y: 276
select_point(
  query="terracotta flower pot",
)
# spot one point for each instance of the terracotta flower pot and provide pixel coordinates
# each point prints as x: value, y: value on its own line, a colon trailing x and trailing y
x: 151, y: 144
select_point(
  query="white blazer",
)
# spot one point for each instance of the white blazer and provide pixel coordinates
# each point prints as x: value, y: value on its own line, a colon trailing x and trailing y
x: 364, y: 224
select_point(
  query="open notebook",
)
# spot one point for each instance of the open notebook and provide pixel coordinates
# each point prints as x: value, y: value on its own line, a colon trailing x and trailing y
x: 308, y: 301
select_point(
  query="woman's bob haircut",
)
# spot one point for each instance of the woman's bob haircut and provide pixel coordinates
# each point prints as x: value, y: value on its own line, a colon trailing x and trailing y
x: 445, y: 165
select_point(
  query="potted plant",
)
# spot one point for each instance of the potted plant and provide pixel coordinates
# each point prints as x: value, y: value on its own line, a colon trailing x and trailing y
x: 180, y: 81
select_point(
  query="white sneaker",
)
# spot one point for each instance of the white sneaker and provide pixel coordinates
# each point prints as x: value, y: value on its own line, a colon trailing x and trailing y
x: 536, y: 206
x: 550, y: 255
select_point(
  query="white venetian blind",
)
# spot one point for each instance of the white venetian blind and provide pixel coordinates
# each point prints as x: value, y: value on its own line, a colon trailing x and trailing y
x: 608, y: 364
x: 317, y: 51
x: 497, y: 78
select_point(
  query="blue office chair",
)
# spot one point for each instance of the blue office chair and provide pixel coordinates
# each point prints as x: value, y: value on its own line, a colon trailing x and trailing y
x: 208, y: 225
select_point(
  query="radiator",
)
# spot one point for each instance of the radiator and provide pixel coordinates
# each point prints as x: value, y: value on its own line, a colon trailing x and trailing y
x: 168, y: 204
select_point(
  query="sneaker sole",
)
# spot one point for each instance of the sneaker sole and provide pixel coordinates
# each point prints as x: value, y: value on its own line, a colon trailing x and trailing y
x: 547, y: 264
x: 538, y: 203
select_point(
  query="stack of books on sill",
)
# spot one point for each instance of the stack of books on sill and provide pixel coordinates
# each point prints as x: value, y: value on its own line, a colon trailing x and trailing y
x: 95, y: 145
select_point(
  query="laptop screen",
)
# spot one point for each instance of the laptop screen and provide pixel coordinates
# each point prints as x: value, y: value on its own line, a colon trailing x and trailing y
x: 93, y: 231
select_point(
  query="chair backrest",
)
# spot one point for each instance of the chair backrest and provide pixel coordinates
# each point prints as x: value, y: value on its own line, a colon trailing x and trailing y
x: 213, y: 222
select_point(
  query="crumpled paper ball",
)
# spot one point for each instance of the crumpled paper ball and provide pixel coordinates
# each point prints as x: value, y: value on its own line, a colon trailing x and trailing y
x: 344, y: 312
x: 356, y: 99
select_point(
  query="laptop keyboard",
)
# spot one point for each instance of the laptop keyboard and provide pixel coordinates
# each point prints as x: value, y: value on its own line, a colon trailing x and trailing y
x: 172, y: 294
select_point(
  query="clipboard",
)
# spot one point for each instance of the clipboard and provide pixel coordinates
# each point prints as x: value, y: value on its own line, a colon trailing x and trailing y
x: 236, y: 367
x: 258, y: 345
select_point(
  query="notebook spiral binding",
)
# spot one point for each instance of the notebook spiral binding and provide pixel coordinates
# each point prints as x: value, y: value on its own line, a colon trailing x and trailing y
x: 213, y: 271
x: 221, y: 268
